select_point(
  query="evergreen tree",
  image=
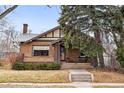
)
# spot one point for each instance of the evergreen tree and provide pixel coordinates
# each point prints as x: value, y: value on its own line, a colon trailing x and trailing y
x: 76, y: 22
x: 98, y: 19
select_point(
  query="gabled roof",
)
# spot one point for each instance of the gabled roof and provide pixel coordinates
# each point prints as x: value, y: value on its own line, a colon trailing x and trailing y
x: 56, y: 41
x: 29, y: 37
x: 25, y: 37
x: 42, y: 34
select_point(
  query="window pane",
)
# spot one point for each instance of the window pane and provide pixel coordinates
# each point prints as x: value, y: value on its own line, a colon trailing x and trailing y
x: 45, y: 52
x: 40, y: 50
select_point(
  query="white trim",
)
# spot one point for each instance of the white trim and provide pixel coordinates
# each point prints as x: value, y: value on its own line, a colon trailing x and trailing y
x: 40, y: 47
x: 48, y: 38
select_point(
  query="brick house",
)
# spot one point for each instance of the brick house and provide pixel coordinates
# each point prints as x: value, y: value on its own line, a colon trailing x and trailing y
x: 46, y: 47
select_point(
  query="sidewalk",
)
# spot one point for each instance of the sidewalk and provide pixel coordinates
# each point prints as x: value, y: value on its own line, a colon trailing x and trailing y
x: 58, y: 85
x: 40, y: 85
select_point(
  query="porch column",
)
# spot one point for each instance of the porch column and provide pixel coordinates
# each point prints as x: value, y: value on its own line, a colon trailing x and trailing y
x: 57, y: 52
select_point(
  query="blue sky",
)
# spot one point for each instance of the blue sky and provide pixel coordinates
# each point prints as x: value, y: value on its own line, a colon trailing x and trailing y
x: 39, y: 18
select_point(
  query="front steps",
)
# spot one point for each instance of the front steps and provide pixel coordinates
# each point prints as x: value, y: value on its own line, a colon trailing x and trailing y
x: 80, y: 76
x: 76, y: 66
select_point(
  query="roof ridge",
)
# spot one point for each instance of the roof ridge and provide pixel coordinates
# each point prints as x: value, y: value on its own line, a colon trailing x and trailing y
x: 39, y: 35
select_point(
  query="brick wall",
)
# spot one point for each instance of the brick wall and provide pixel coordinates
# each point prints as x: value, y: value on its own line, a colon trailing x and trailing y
x: 73, y: 55
x: 26, y: 49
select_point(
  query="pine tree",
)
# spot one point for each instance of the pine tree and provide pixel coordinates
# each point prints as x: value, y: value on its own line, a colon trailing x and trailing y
x: 76, y: 21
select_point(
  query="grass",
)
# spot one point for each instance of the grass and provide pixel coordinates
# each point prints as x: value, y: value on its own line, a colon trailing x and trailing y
x: 31, y: 86
x: 56, y: 76
x: 102, y: 76
x: 108, y: 86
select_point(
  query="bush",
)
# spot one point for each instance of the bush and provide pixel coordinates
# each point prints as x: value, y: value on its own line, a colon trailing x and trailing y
x: 53, y: 66
x: 33, y: 66
x: 29, y: 66
x: 120, y: 56
x: 18, y: 66
x: 41, y: 66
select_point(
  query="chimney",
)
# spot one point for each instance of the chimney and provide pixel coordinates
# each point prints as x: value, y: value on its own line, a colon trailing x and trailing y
x: 25, y: 28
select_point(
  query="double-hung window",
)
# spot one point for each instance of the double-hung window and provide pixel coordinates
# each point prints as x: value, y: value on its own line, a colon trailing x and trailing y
x: 40, y: 50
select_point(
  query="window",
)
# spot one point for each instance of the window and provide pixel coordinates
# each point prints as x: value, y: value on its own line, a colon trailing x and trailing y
x: 82, y: 55
x: 40, y: 50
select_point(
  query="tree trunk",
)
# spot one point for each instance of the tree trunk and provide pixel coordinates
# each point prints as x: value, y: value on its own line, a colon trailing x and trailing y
x: 94, y: 62
x: 100, y: 55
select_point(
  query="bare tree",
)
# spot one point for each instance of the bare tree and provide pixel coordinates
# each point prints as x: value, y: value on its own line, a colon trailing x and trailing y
x: 8, y: 38
x: 7, y: 11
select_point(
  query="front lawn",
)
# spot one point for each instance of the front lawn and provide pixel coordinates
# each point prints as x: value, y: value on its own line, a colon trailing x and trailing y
x: 32, y: 86
x: 103, y: 76
x: 108, y: 86
x: 56, y: 76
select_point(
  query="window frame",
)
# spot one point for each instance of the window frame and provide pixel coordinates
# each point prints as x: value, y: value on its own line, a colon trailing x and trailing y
x: 40, y: 50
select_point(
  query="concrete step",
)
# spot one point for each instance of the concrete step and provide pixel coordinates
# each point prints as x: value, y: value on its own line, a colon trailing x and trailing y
x: 81, y: 77
x: 76, y: 66
x: 80, y: 80
x: 77, y: 80
x: 77, y: 77
x: 78, y: 74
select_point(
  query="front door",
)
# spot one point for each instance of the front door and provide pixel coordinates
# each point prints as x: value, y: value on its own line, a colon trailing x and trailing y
x: 62, y: 53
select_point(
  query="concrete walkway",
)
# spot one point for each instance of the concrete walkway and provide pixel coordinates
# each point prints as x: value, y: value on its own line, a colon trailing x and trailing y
x: 81, y: 75
x: 80, y: 84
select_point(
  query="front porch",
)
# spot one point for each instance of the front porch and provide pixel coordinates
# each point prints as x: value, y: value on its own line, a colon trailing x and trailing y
x: 70, y: 58
x: 68, y: 55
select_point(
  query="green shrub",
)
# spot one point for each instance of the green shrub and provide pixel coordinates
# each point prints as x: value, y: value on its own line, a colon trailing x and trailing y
x: 53, y: 66
x: 120, y: 56
x: 42, y: 66
x: 33, y: 66
x: 18, y: 66
x: 29, y: 66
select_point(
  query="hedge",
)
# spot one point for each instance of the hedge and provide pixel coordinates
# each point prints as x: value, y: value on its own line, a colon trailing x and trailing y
x: 33, y: 66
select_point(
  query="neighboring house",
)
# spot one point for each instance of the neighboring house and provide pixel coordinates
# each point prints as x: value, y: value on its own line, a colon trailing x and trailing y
x: 46, y: 47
